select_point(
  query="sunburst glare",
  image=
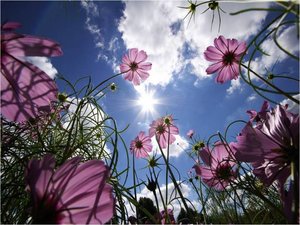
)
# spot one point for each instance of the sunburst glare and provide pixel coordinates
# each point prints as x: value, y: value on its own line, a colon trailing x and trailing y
x: 147, y: 101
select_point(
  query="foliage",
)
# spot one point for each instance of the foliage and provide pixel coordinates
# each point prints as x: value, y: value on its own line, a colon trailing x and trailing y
x: 230, y: 187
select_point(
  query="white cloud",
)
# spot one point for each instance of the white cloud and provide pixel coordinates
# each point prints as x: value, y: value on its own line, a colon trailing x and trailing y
x: 292, y: 106
x: 89, y: 115
x: 155, y: 37
x: 44, y: 64
x: 92, y: 12
x: 175, y: 205
x: 89, y: 120
x: 90, y: 7
x: 175, y: 149
x: 287, y: 38
x: 235, y: 86
x: 165, y: 36
x: 252, y: 97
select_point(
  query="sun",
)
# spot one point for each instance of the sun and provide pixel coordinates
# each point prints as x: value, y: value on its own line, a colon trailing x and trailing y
x: 147, y: 101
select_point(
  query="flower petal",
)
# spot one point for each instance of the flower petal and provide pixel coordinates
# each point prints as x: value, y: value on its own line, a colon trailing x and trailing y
x: 145, y: 66
x: 213, y: 54
x: 221, y: 44
x: 38, y: 174
x: 9, y: 26
x: 133, y: 54
x: 141, y: 56
x: 32, y: 46
x: 24, y: 88
x: 214, y: 67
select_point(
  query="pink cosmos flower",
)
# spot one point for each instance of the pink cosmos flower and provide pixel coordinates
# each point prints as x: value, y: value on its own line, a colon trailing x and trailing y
x: 190, y: 133
x: 135, y: 67
x: 73, y: 194
x: 141, y: 145
x: 170, y: 215
x: 225, y: 55
x: 164, y: 130
x: 218, y: 169
x: 259, y: 116
x: 271, y: 146
x: 25, y: 89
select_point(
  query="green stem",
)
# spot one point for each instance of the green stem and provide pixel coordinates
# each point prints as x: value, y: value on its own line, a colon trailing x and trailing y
x: 200, y: 196
x: 118, y: 74
x: 162, y: 200
x: 271, y: 85
x: 173, y: 178
x: 134, y: 183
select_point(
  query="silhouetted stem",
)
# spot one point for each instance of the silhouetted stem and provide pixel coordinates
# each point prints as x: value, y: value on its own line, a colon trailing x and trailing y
x: 271, y: 85
x: 173, y: 178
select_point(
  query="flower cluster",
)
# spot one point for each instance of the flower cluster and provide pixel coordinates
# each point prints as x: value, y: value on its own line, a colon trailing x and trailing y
x: 271, y: 146
x: 269, y: 142
x: 162, y: 129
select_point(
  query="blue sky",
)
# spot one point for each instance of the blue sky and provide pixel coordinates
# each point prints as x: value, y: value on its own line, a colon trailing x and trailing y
x: 95, y: 35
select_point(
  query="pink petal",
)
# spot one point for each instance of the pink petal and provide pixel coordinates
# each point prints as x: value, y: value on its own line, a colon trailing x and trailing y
x: 141, y: 57
x: 241, y: 48
x: 133, y: 54
x: 213, y: 54
x: 129, y: 75
x: 221, y: 44
x: 205, y: 155
x: 81, y: 183
x: 214, y: 67
x: 6, y: 37
x: 173, y: 130
x: 206, y: 173
x: 124, y: 68
x: 136, y: 80
x: 145, y: 66
x: 24, y: 88
x: 143, y: 75
x: 32, y: 46
x: 9, y: 26
x: 232, y: 45
x: 126, y: 60
x: 252, y: 144
x: 38, y: 175
x: 220, y: 152
x: 225, y: 74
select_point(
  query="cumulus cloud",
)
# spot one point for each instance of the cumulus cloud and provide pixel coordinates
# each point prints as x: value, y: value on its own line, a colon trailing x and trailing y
x: 90, y: 121
x: 175, y: 149
x: 235, y: 86
x: 287, y: 38
x: 44, y: 64
x: 156, y: 38
x: 292, y: 106
x: 167, y: 37
x: 176, y: 205
x: 89, y: 115
x: 252, y: 97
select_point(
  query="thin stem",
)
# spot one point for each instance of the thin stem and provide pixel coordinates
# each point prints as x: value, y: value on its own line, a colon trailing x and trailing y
x: 200, y: 196
x: 271, y: 85
x: 134, y: 183
x: 173, y: 178
x: 162, y: 200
